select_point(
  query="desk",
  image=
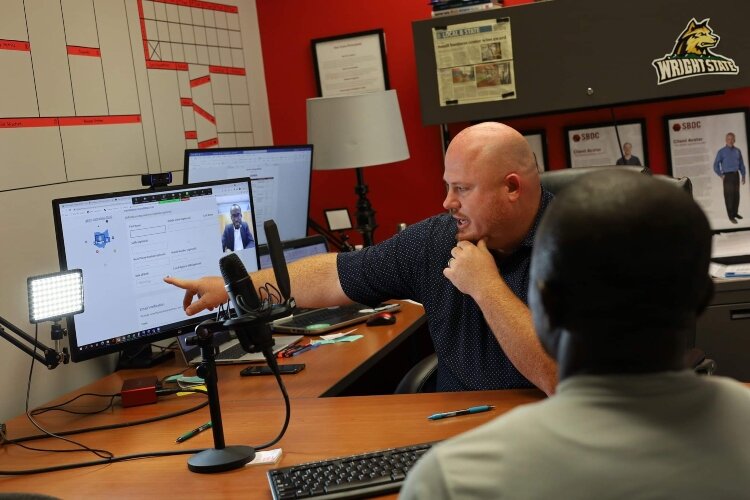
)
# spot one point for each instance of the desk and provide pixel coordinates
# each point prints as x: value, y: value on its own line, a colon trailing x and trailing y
x: 252, y: 413
x: 723, y: 330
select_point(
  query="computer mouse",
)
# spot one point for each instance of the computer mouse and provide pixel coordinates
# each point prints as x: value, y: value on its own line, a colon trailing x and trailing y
x: 381, y: 318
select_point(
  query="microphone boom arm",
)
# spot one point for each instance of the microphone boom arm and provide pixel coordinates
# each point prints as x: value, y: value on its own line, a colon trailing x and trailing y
x: 50, y: 357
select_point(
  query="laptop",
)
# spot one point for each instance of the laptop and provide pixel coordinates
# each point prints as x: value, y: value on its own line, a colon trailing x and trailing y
x: 731, y: 247
x: 328, y: 319
x: 316, y: 321
x: 230, y: 349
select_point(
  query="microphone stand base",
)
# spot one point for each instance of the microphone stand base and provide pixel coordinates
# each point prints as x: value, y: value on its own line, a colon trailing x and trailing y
x: 213, y: 460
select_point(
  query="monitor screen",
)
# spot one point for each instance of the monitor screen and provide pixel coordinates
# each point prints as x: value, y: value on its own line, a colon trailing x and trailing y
x: 127, y: 242
x: 281, y: 181
x: 295, y: 249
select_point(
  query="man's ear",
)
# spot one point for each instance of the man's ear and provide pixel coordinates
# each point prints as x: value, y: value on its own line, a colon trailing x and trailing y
x: 552, y: 317
x: 513, y: 181
x: 708, y: 293
x: 553, y: 307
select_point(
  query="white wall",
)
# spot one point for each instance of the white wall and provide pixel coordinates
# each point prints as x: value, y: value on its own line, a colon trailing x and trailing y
x: 50, y: 147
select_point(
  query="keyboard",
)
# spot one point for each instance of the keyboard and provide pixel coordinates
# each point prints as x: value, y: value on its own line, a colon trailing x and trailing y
x: 356, y: 476
x: 234, y: 352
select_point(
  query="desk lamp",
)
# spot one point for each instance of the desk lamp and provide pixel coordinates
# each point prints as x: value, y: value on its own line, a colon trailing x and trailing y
x: 51, y: 297
x: 357, y: 131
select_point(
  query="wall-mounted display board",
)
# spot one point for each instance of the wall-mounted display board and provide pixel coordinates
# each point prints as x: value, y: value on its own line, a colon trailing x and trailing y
x: 562, y: 55
x: 711, y: 149
x: 606, y: 144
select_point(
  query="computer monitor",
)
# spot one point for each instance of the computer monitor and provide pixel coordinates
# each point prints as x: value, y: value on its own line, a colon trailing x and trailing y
x: 281, y: 181
x: 127, y: 242
x: 295, y: 249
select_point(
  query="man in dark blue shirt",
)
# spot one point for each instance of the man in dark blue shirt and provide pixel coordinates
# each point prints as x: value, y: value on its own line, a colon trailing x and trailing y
x: 469, y: 268
x: 729, y: 165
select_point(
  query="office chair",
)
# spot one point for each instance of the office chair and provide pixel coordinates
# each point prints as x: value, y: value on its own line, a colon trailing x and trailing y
x: 422, y: 377
x: 556, y: 180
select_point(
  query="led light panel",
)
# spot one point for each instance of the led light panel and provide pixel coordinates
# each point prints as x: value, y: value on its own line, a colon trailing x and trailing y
x: 53, y: 296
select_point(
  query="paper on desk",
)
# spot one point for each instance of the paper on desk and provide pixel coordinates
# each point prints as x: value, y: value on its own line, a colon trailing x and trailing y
x: 333, y: 336
x: 350, y: 338
x: 729, y: 271
x: 194, y: 388
x: 266, y: 457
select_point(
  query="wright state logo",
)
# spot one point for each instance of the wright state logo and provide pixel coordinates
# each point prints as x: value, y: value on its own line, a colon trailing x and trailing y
x: 692, y: 55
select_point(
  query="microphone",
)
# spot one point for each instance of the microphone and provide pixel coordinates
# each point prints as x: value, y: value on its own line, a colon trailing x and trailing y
x: 239, y: 286
x: 278, y: 261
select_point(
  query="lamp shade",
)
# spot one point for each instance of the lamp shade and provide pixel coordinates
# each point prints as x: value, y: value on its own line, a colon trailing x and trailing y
x: 356, y: 130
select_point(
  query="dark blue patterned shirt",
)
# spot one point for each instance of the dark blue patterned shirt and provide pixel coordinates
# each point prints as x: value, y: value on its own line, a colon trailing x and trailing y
x: 410, y: 266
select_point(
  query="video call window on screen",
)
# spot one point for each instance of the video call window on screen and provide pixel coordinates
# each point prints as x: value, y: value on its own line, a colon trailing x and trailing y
x: 281, y: 181
x: 126, y: 243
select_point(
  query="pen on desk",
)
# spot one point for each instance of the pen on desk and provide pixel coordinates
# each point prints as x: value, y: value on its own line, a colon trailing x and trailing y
x: 732, y: 274
x: 467, y: 411
x: 304, y: 349
x: 194, y: 432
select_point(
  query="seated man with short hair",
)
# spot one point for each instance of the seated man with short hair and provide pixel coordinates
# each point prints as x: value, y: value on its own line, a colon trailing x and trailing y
x: 619, y: 274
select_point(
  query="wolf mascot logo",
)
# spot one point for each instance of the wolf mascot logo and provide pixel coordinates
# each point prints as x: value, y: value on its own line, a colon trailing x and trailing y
x: 692, y: 55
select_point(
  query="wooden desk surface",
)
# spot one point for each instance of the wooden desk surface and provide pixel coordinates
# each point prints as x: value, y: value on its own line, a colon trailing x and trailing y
x: 252, y: 414
x: 320, y: 428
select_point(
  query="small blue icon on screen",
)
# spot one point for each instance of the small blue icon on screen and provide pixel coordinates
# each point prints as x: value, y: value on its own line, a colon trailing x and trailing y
x: 101, y: 239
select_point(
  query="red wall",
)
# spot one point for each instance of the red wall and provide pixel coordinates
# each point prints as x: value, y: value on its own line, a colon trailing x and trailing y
x: 411, y: 190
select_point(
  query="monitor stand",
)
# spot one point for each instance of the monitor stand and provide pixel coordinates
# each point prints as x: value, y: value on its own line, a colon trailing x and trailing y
x: 142, y: 357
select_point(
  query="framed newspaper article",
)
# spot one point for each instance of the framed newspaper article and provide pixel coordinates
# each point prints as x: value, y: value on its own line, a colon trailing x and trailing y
x: 474, y: 62
x: 350, y: 64
x: 710, y: 149
x: 606, y: 144
x: 537, y: 139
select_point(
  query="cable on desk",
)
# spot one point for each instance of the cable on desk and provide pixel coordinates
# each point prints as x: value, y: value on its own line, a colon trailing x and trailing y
x: 4, y: 440
x: 276, y: 373
x: 105, y: 461
x: 80, y: 446
x: 59, y: 407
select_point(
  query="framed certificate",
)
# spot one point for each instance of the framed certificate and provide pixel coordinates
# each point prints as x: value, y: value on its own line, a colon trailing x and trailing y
x: 602, y: 144
x: 710, y: 148
x: 350, y: 64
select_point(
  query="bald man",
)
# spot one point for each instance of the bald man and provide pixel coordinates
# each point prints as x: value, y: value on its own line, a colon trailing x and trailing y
x: 469, y: 267
x: 628, y: 420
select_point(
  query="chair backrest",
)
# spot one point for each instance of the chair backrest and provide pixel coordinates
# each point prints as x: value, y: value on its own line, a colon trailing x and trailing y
x: 556, y: 180
x: 422, y: 377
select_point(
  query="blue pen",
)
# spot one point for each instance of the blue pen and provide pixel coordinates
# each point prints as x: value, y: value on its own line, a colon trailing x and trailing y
x: 304, y: 349
x: 740, y: 274
x: 467, y: 411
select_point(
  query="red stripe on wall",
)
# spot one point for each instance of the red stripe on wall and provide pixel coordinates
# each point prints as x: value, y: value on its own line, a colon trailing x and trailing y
x: 200, y: 81
x: 178, y: 66
x: 200, y: 4
x: 99, y: 120
x: 186, y: 101
x: 209, y: 143
x: 75, y: 50
x: 191, y: 134
x: 15, y: 45
x: 204, y: 113
x: 226, y: 70
x: 28, y: 122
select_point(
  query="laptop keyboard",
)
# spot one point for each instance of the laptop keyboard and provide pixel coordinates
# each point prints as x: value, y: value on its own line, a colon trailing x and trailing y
x: 333, y: 315
x: 234, y: 352
x: 356, y: 476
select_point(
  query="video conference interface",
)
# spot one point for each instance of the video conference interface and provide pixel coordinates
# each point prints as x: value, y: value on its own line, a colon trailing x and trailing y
x: 281, y: 181
x: 126, y: 243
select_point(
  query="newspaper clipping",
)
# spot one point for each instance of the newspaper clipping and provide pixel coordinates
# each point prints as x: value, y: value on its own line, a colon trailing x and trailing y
x: 474, y: 62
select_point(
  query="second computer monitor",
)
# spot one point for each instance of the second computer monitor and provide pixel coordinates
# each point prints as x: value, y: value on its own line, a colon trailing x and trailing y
x: 281, y: 181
